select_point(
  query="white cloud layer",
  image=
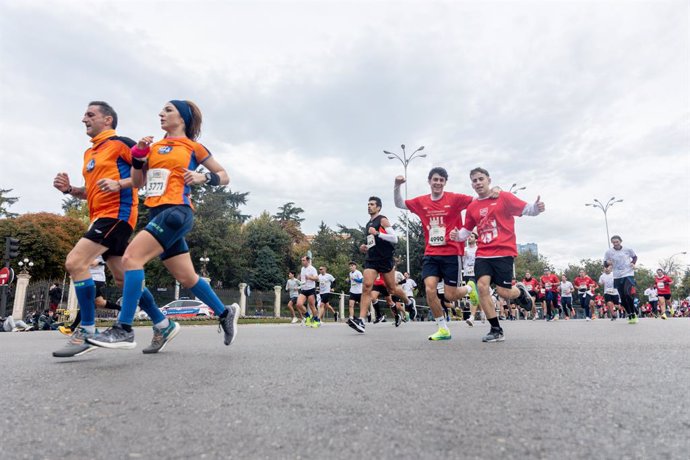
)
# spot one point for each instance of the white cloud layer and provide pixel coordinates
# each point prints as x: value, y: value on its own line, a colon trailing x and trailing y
x: 573, y: 100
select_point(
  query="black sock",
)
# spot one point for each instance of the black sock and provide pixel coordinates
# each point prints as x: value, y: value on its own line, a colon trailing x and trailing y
x: 494, y: 323
x: 127, y: 327
x: 112, y: 305
x: 226, y: 312
x: 77, y: 320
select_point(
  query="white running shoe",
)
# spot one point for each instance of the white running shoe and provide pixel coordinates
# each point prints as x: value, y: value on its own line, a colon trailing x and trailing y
x: 294, y: 320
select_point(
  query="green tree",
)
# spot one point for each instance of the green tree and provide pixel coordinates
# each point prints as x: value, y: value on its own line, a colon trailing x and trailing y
x: 263, y: 231
x: 417, y: 245
x: 593, y: 267
x: 289, y: 212
x: 529, y: 261
x: 45, y: 239
x: 76, y: 208
x: 266, y: 272
x: 682, y: 289
x: 5, y: 202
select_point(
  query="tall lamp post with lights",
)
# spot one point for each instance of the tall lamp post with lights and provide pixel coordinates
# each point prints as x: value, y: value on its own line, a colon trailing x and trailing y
x: 604, y: 208
x: 405, y: 160
x: 514, y: 189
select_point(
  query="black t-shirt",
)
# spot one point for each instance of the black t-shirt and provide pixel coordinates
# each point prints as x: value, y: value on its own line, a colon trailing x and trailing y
x: 378, y: 249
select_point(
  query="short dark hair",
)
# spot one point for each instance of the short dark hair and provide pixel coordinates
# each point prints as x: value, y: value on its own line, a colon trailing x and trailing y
x: 616, y: 237
x: 352, y: 262
x: 480, y: 170
x: 106, y: 110
x: 377, y: 200
x: 438, y: 170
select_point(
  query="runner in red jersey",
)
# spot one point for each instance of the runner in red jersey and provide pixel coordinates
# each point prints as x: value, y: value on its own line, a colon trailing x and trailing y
x: 550, y: 282
x: 585, y: 288
x: 663, y: 288
x: 440, y: 214
x: 496, y: 247
x: 532, y: 286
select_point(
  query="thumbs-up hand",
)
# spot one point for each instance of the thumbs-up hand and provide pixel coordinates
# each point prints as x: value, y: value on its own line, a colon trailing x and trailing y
x: 540, y: 204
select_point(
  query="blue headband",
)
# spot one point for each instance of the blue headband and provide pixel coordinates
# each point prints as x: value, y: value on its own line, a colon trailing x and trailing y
x: 185, y: 112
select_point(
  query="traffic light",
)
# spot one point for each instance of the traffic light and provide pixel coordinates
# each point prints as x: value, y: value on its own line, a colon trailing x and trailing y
x: 11, y: 248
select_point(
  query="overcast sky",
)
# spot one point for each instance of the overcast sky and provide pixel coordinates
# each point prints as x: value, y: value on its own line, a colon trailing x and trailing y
x: 572, y: 100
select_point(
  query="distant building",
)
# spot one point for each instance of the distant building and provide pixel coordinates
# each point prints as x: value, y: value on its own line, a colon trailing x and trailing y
x: 528, y: 247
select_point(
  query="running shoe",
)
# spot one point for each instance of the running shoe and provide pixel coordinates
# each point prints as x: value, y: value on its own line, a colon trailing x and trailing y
x: 524, y: 298
x: 474, y: 295
x: 315, y: 323
x: 229, y: 323
x: 663, y: 316
x: 76, y: 345
x: 494, y: 335
x: 114, y: 337
x: 161, y: 337
x: 398, y: 319
x: 470, y: 321
x: 633, y: 319
x: 380, y: 319
x: 65, y: 330
x: 335, y: 317
x: 442, y: 334
x: 294, y: 320
x: 357, y: 324
x: 587, y: 318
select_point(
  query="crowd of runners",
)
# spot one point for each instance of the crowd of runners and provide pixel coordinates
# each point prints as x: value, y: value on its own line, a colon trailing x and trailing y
x: 468, y: 263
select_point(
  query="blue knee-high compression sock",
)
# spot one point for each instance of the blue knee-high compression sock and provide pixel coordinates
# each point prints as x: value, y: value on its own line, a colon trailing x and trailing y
x: 148, y: 304
x: 86, y: 296
x: 131, y: 293
x: 203, y: 291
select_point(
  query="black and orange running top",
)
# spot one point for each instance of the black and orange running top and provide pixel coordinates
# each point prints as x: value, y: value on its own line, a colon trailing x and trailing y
x: 109, y: 158
x: 167, y: 162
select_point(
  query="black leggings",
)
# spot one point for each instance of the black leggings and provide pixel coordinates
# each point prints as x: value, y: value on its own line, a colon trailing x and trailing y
x: 624, y: 287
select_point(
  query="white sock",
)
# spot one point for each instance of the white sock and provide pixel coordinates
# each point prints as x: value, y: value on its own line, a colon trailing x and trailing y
x: 90, y: 329
x: 469, y: 289
x: 441, y: 321
x: 163, y: 324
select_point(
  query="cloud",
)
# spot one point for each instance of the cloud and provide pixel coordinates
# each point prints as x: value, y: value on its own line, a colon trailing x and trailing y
x: 573, y: 100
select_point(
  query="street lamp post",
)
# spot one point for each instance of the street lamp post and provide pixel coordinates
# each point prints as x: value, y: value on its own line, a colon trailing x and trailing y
x: 25, y: 265
x: 605, y: 208
x: 405, y: 160
x: 514, y: 189
x: 204, y: 260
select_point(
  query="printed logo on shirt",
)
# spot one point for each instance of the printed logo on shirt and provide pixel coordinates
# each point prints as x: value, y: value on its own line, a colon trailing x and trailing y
x: 90, y: 165
x: 165, y: 149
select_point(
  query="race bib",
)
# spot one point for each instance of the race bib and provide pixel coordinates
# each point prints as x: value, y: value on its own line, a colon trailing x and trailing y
x: 157, y: 181
x: 371, y: 241
x: 547, y: 285
x: 660, y: 285
x: 437, y: 236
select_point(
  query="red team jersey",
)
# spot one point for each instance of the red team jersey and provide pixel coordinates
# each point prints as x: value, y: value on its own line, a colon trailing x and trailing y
x: 495, y: 222
x: 439, y: 218
x: 584, y: 284
x: 550, y: 282
x: 663, y: 284
x: 109, y: 158
x: 532, y: 284
x: 166, y: 167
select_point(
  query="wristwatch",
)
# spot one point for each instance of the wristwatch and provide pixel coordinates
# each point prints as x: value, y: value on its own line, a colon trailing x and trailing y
x: 208, y: 177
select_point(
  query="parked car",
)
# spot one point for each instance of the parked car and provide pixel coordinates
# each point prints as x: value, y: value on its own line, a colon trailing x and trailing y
x: 187, y: 309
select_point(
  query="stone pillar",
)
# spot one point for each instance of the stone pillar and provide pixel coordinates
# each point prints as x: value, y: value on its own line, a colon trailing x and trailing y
x: 20, y: 295
x: 72, y: 304
x: 276, y: 303
x: 341, y: 306
x: 243, y: 299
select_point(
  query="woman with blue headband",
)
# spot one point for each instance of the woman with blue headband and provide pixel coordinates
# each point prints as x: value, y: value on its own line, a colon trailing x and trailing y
x: 167, y: 169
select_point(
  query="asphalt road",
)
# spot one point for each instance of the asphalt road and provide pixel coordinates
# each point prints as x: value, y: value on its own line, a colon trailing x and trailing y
x: 565, y: 390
